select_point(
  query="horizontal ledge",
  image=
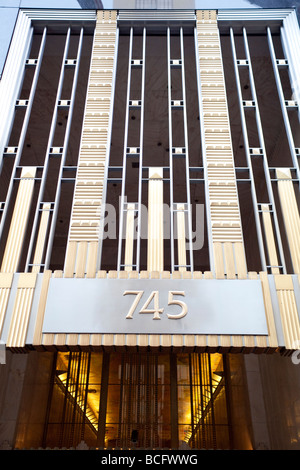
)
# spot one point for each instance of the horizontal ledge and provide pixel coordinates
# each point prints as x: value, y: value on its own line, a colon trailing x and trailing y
x: 143, y: 274
x: 119, y: 344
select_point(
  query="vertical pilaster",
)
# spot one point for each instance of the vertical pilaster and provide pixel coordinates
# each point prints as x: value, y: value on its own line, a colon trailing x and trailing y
x: 290, y: 214
x: 288, y: 310
x: 43, y: 227
x: 270, y: 239
x: 85, y: 222
x: 21, y: 312
x: 129, y: 242
x: 19, y: 221
x: 181, y: 237
x: 5, y: 286
x: 225, y: 221
x: 155, y: 258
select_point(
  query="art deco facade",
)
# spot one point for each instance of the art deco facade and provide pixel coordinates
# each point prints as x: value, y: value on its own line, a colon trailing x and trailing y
x: 150, y: 231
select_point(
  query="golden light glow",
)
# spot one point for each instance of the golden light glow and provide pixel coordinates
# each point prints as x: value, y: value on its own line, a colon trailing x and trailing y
x: 87, y: 399
x: 202, y: 411
x: 138, y: 396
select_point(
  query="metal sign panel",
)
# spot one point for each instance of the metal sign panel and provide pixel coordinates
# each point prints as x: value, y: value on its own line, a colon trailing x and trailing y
x: 149, y: 306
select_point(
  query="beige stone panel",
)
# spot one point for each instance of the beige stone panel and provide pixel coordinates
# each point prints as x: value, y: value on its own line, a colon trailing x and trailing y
x: 85, y: 218
x: 272, y: 338
x: 129, y: 237
x: 226, y: 226
x: 19, y: 221
x: 155, y: 253
x: 21, y: 311
x: 288, y: 310
x: 290, y: 214
x: 181, y: 237
x: 41, y: 238
x: 5, y: 285
x: 270, y: 240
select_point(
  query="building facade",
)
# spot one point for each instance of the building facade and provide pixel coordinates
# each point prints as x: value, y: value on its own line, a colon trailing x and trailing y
x: 150, y: 230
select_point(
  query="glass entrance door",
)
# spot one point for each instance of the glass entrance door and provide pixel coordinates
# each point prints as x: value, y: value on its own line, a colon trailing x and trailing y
x: 138, y: 401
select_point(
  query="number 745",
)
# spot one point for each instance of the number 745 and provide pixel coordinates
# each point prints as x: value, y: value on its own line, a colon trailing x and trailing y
x: 156, y: 311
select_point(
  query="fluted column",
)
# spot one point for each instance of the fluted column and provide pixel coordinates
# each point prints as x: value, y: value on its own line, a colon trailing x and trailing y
x: 290, y: 214
x: 225, y: 220
x: 155, y: 258
x: 19, y: 221
x: 85, y: 225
